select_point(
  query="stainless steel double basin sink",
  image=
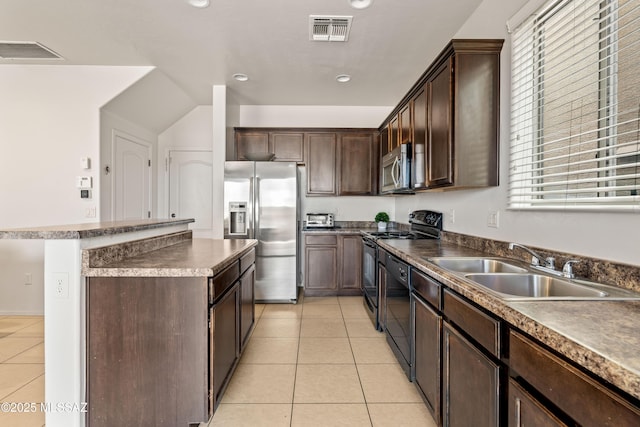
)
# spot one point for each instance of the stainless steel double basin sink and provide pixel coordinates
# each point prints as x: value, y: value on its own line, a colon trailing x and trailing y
x: 510, y: 281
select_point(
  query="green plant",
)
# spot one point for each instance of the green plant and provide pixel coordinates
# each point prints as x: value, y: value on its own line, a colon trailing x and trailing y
x: 382, y: 217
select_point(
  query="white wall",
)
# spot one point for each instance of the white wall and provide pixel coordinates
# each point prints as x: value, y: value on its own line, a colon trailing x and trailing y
x: 49, y: 120
x: 611, y: 236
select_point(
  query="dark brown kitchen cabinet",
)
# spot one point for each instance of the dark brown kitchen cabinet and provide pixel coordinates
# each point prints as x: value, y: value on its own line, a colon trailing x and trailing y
x: 226, y: 339
x: 247, y: 305
x: 420, y: 119
x: 384, y: 141
x: 332, y: 264
x: 321, y: 164
x: 147, y: 358
x: 351, y: 260
x: 470, y: 384
x: 525, y: 410
x: 394, y: 132
x: 406, y: 124
x: 357, y: 162
x: 571, y: 391
x: 427, y: 351
x: 455, y: 105
x: 251, y: 142
x: 288, y: 146
x: 440, y: 147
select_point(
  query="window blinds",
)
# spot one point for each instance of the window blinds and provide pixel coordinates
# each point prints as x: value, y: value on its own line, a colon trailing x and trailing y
x: 575, y: 107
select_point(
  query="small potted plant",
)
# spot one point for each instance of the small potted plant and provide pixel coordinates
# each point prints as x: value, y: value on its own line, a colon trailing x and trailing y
x: 382, y: 219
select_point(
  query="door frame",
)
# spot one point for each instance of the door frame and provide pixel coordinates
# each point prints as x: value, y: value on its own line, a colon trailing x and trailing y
x: 115, y: 133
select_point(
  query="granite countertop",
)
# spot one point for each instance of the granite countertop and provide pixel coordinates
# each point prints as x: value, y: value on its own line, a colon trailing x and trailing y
x: 186, y: 258
x: 600, y: 336
x: 87, y: 230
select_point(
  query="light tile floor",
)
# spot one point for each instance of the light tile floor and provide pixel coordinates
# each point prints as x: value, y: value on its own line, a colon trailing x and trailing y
x: 316, y: 363
x: 319, y: 363
x: 21, y: 369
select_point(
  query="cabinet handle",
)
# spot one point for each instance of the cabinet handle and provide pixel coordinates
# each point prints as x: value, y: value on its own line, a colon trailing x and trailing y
x: 518, y: 415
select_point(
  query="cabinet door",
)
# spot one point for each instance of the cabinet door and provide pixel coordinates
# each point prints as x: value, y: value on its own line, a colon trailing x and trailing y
x: 419, y: 137
x: 251, y: 142
x: 384, y: 141
x: 525, y: 410
x: 226, y: 339
x: 351, y: 268
x: 440, y: 144
x: 321, y: 164
x: 406, y: 124
x: 427, y: 333
x: 247, y: 299
x: 287, y: 146
x: 471, y: 383
x: 394, y: 133
x: 321, y: 272
x: 356, y: 165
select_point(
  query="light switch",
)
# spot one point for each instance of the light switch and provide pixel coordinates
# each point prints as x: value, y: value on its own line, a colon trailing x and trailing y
x: 85, y: 163
x: 83, y: 182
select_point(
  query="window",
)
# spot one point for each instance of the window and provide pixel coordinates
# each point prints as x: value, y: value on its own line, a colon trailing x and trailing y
x: 575, y: 107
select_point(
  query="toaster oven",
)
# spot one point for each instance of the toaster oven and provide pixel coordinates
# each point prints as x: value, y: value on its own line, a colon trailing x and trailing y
x: 319, y: 220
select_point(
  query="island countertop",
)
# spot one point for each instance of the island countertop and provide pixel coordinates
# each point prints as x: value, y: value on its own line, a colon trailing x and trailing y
x: 600, y: 336
x: 88, y: 230
x: 186, y: 258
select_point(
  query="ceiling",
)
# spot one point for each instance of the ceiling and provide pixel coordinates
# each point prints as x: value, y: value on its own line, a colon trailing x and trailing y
x: 391, y: 43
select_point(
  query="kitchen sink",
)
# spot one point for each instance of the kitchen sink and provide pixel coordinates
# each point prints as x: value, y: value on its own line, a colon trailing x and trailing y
x: 537, y: 286
x: 534, y: 285
x: 476, y: 265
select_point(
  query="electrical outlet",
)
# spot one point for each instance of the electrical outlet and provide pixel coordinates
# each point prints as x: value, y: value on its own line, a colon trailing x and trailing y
x: 452, y: 216
x: 90, y: 212
x: 61, y: 285
x: 493, y: 219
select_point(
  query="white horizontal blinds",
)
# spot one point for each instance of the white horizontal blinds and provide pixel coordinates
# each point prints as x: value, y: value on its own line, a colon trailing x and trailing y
x: 575, y: 108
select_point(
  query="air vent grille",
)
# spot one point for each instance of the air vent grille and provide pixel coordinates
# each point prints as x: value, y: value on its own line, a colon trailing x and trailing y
x: 329, y: 28
x: 26, y: 50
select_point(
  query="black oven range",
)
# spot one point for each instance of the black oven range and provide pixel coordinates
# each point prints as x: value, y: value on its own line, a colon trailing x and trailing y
x: 425, y: 224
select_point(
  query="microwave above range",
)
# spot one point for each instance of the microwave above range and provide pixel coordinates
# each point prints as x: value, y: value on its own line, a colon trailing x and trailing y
x: 396, y: 170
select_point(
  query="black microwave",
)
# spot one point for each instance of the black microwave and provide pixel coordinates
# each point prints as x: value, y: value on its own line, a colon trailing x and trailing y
x: 396, y: 171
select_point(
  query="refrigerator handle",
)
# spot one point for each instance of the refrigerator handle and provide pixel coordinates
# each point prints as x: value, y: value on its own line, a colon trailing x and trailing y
x: 250, y: 211
x: 256, y: 208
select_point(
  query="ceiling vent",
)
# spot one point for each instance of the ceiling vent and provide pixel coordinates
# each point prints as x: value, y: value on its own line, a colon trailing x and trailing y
x: 329, y: 28
x: 26, y: 50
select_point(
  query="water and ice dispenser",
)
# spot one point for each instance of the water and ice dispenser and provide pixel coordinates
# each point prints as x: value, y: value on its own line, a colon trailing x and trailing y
x: 237, y: 217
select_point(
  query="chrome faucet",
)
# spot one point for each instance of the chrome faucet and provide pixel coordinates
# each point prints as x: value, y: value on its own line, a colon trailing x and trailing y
x: 537, y: 260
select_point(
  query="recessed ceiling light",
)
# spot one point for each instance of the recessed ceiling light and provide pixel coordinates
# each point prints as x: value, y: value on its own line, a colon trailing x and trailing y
x: 343, y: 78
x: 241, y: 77
x: 201, y: 4
x: 360, y: 4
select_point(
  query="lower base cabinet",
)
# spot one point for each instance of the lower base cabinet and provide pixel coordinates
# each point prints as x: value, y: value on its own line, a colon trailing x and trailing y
x: 471, y: 383
x: 333, y: 264
x: 226, y: 340
x: 526, y: 410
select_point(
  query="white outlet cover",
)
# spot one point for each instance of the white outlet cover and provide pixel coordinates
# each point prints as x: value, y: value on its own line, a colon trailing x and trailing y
x: 61, y: 285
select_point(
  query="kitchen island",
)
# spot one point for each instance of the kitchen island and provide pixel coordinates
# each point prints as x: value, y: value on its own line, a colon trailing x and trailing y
x: 74, y: 253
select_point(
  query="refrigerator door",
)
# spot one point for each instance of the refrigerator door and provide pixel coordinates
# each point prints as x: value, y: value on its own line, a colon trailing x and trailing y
x: 276, y: 216
x: 238, y: 196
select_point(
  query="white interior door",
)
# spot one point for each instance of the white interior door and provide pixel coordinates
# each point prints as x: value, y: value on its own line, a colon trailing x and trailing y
x: 191, y: 189
x: 131, y: 178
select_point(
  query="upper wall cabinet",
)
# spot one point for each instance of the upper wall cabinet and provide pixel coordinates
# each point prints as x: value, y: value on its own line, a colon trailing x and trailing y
x: 288, y: 146
x: 340, y: 162
x: 452, y: 115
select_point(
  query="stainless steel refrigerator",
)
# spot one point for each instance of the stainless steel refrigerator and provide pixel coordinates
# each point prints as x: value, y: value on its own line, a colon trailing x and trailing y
x: 261, y: 202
